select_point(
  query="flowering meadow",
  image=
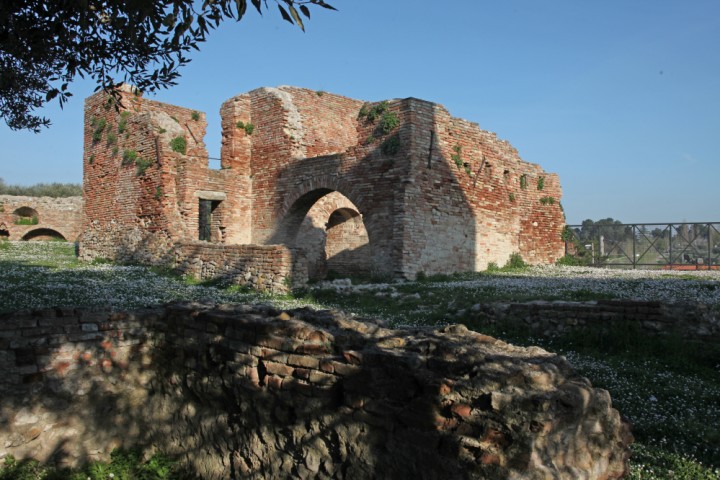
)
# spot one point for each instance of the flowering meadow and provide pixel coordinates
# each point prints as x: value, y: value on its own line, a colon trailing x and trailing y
x: 668, y: 390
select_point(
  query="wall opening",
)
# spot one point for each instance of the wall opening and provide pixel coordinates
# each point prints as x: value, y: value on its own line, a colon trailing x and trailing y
x: 4, y: 234
x: 332, y: 236
x: 26, y: 216
x: 44, y: 235
x: 346, y: 244
x: 208, y: 223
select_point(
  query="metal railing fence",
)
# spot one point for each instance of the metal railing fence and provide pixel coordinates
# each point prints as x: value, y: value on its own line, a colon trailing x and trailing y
x: 647, y: 245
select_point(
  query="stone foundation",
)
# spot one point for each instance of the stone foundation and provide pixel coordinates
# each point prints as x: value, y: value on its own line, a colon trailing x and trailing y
x: 695, y: 322
x: 241, y: 391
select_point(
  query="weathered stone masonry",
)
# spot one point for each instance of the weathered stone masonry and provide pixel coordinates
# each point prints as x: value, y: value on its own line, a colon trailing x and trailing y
x: 244, y: 391
x: 40, y: 218
x: 415, y: 189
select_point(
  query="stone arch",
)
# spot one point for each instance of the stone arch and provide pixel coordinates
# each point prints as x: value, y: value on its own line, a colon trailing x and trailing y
x: 330, y: 231
x: 43, y: 234
x: 26, y: 216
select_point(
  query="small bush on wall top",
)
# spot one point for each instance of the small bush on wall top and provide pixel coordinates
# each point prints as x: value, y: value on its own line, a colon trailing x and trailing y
x: 248, y: 127
x: 178, y: 144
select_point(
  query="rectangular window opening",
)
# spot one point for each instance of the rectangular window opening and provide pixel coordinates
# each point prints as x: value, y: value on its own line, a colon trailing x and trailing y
x: 207, y: 207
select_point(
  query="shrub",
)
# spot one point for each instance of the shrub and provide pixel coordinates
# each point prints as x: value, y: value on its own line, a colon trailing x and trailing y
x: 56, y: 190
x: 98, y: 127
x: 179, y: 144
x: 523, y: 182
x: 142, y: 165
x: 388, y: 122
x: 541, y: 183
x: 129, y: 157
x: 572, y: 261
x: 122, y: 124
x: 377, y: 110
x: 457, y: 156
x: 195, y: 116
x: 515, y: 262
x: 111, y: 138
x: 391, y: 146
x: 248, y: 127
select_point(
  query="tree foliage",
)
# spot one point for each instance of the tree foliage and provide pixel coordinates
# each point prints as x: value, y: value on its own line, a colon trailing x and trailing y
x: 44, y: 45
x: 42, y: 189
x: 612, y: 230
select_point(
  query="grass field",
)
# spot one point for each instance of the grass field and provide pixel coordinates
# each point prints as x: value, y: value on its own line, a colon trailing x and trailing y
x: 669, y: 391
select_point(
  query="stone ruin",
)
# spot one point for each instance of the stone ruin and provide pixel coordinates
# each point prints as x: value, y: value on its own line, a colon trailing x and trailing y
x: 310, y: 184
x: 40, y: 218
x: 239, y: 391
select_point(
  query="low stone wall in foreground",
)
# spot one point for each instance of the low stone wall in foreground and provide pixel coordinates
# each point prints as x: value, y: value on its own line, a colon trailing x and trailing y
x: 242, y: 391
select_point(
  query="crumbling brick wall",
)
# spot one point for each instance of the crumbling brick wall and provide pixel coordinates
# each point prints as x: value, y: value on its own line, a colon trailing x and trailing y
x: 433, y: 193
x: 244, y: 391
x: 40, y: 218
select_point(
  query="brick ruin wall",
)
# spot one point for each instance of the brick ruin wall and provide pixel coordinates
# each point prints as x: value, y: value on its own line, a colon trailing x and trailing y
x: 432, y: 194
x: 242, y: 391
x: 40, y: 218
x: 689, y: 321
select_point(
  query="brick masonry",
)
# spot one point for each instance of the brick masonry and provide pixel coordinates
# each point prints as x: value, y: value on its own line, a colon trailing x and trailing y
x: 689, y: 321
x: 241, y: 391
x: 49, y: 217
x: 413, y: 188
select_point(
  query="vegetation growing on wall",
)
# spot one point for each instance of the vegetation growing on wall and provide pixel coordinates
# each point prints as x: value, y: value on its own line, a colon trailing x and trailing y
x: 129, y: 157
x: 122, y: 124
x: 541, y: 183
x: 523, y: 182
x: 98, y: 126
x: 248, y: 127
x: 457, y: 156
x: 142, y: 165
x: 391, y: 146
x: 179, y: 144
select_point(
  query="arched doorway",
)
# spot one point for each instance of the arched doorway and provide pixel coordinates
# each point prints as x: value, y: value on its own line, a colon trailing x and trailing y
x: 44, y: 235
x: 331, y: 235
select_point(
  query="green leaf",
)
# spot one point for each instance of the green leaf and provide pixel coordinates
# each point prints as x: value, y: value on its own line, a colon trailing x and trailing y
x: 241, y: 8
x: 323, y: 4
x: 296, y: 17
x: 284, y: 14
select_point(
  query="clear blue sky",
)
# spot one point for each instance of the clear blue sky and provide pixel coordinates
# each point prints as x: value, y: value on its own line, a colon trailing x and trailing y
x: 621, y: 98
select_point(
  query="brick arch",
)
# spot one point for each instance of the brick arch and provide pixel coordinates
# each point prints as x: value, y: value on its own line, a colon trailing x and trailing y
x: 325, y: 183
x: 26, y: 212
x: 332, y: 236
x: 43, y: 234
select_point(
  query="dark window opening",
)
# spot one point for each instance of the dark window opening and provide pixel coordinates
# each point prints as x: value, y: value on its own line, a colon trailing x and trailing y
x: 207, y: 207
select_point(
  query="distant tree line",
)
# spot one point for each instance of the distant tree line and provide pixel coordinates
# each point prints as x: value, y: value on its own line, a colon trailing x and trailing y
x: 42, y: 189
x: 613, y: 230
